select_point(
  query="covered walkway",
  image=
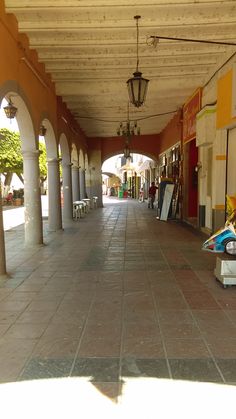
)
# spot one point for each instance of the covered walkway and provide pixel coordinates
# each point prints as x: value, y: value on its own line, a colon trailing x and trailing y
x: 124, y: 309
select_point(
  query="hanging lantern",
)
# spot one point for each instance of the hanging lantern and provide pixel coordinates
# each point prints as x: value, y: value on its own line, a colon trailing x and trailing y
x: 10, y: 110
x: 137, y: 85
x: 137, y: 89
x: 127, y: 151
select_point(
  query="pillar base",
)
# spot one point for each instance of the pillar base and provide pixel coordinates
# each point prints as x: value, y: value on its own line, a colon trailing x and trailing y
x: 225, y: 271
x: 36, y: 246
x: 4, y: 277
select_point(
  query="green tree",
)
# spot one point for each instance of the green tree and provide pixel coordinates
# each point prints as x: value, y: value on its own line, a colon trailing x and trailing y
x: 42, y: 162
x: 11, y: 160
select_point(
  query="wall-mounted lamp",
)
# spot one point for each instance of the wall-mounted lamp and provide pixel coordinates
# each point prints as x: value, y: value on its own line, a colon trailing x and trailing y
x: 42, y: 131
x: 198, y: 166
x: 10, y: 110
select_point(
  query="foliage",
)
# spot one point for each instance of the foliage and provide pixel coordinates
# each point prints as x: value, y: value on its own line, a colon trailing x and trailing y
x: 42, y: 161
x: 11, y: 160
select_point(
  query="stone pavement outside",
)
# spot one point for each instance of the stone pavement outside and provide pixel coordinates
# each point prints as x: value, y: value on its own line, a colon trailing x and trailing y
x: 119, y: 308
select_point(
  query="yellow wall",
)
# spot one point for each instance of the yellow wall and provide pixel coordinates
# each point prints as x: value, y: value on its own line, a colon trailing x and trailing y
x: 224, y: 101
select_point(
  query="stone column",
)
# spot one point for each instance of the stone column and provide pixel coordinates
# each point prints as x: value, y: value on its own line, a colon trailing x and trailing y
x: 82, y: 183
x: 67, y: 192
x: 96, y: 176
x: 75, y: 183
x: 3, y: 271
x: 32, y: 199
x: 54, y: 196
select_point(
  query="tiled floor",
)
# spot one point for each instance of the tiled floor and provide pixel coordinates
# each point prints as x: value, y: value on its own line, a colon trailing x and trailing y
x: 117, y: 299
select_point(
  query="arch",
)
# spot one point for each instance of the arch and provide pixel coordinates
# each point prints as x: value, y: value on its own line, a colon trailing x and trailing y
x: 50, y: 140
x: 133, y: 151
x: 24, y: 122
x: 86, y: 162
x: 74, y: 155
x: 65, y: 150
x: 81, y: 159
x: 12, y: 90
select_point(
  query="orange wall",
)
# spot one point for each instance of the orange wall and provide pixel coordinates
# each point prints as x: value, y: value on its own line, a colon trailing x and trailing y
x: 33, y: 84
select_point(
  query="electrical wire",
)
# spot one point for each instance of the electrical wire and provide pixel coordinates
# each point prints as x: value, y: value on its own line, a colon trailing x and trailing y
x: 135, y: 119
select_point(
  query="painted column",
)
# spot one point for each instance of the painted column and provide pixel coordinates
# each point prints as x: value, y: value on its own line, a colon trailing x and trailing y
x: 88, y: 182
x: 54, y: 196
x: 32, y: 199
x: 3, y: 271
x: 205, y: 139
x: 82, y: 183
x: 75, y: 183
x: 219, y: 179
x: 67, y: 192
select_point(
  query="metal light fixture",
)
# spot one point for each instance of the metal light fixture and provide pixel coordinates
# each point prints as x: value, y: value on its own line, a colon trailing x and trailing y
x: 42, y: 131
x: 10, y: 110
x: 127, y: 151
x: 137, y: 85
x: 127, y: 130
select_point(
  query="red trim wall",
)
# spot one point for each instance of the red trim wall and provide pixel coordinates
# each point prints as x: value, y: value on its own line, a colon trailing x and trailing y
x: 149, y: 145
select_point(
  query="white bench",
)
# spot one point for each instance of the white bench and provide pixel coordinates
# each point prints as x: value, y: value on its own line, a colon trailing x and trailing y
x: 87, y: 203
x: 78, y: 209
x: 95, y: 201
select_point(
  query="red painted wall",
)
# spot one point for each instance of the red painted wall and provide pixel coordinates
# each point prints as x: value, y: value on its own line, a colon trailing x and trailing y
x: 149, y: 145
x: 172, y: 134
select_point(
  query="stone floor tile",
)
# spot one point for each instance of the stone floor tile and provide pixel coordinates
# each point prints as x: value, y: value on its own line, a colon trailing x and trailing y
x: 224, y: 348
x: 13, y: 306
x: 8, y: 317
x: 49, y: 347
x: 138, y: 367
x: 43, y: 306
x: 26, y: 330
x: 33, y: 317
x: 228, y: 369
x: 38, y: 368
x: 99, y: 347
x: 175, y: 317
x: 186, y: 348
x: 142, y: 347
x: 195, y: 370
x: 184, y: 330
